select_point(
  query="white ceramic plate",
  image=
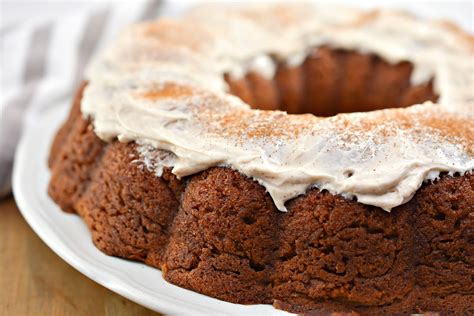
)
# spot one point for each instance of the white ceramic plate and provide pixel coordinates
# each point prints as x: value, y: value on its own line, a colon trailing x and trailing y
x: 68, y: 237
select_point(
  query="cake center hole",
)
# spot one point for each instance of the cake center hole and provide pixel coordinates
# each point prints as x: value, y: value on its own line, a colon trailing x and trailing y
x: 332, y: 81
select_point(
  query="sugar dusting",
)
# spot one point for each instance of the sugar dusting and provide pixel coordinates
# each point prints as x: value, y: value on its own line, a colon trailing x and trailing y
x: 161, y: 85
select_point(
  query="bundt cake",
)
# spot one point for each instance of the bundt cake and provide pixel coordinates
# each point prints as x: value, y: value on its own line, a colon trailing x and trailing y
x: 316, y: 159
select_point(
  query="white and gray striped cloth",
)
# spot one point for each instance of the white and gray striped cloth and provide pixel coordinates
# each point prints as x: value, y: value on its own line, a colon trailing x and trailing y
x: 45, y: 46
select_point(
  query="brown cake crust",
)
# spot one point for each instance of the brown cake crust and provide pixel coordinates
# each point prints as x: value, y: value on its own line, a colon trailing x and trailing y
x: 224, y: 235
x: 219, y: 233
x: 289, y: 81
x: 332, y: 81
x: 74, y: 155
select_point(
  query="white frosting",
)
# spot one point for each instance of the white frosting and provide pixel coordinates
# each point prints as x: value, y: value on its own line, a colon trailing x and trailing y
x: 154, y: 160
x: 161, y: 84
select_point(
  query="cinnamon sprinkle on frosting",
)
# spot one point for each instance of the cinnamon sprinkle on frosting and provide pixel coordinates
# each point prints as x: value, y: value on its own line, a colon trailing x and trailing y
x: 161, y: 84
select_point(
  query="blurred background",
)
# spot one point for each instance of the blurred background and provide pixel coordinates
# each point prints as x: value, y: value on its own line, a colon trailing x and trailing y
x: 45, y: 46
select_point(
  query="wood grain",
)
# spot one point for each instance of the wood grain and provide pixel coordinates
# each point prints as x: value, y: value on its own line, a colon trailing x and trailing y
x: 35, y: 281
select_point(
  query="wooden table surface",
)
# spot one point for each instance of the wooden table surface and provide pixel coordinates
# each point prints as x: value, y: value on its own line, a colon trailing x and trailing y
x: 35, y: 281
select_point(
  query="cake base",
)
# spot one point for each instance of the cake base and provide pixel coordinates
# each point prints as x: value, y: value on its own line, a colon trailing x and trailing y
x: 219, y: 233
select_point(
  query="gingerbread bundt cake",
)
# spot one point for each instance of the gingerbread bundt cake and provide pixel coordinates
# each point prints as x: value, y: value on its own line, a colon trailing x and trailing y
x: 188, y: 148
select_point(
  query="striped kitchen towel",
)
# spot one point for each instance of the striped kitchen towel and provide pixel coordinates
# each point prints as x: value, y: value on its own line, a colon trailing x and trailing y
x: 45, y: 47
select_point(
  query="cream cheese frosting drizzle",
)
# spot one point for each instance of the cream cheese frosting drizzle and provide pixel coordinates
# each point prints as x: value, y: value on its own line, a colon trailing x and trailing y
x: 161, y: 84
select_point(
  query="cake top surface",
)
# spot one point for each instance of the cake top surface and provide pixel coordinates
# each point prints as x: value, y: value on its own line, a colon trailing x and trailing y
x: 161, y: 84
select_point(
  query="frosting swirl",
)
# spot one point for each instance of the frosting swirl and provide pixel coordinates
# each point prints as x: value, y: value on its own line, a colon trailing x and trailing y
x: 161, y: 84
